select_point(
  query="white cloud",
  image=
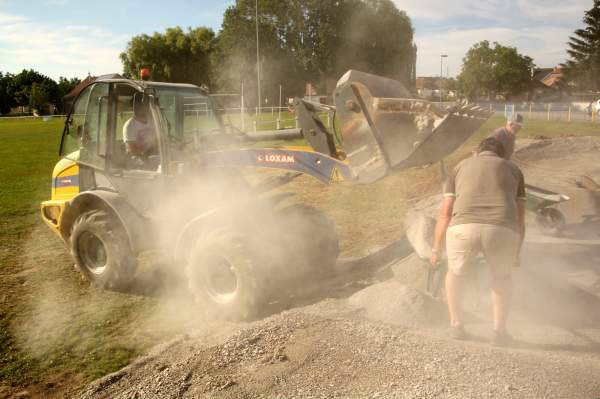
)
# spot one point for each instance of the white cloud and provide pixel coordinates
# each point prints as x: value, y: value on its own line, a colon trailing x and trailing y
x: 58, y: 50
x: 495, y: 10
x: 7, y: 19
x: 438, y: 10
x: 546, y: 45
x: 537, y: 28
x: 554, y: 11
x: 56, y: 2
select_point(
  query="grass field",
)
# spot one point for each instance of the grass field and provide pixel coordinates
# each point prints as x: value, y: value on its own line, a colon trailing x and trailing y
x: 52, y: 322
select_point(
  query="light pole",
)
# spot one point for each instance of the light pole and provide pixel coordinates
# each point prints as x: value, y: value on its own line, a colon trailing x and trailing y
x: 257, y: 61
x: 441, y: 73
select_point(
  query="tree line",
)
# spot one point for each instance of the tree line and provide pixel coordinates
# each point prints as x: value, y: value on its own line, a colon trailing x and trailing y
x: 312, y: 41
x: 33, y: 90
x: 300, y: 41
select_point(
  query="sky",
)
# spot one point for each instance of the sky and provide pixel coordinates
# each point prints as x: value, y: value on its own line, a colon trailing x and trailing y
x: 73, y: 38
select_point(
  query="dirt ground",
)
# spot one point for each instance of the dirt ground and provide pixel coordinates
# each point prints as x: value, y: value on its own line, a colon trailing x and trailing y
x: 371, y: 332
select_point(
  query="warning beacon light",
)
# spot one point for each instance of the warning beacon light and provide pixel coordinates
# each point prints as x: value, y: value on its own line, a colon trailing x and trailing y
x: 144, y: 73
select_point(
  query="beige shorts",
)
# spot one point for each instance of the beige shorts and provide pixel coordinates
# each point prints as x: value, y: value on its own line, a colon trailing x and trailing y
x: 498, y: 244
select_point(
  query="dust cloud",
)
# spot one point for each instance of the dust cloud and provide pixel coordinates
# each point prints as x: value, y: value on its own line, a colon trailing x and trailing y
x: 556, y: 296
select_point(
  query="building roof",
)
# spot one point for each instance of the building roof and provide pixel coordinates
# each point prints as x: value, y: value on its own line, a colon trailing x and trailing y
x: 548, y: 76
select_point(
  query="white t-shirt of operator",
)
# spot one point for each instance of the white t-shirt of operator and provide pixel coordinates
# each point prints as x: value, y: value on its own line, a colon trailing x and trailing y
x: 141, y: 133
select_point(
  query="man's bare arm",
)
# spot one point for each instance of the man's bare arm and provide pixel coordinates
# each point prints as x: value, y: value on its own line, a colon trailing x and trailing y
x: 440, y: 228
x: 521, y: 217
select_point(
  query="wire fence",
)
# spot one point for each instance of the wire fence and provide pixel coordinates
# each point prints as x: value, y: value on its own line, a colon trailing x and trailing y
x: 568, y: 112
x: 276, y: 118
x: 268, y: 118
x: 32, y: 117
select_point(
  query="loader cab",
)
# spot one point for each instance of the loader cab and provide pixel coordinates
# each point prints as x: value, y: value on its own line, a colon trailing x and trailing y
x: 179, y: 122
x: 180, y: 119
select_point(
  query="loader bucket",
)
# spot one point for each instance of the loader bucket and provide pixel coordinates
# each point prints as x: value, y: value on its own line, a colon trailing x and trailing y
x: 381, y: 134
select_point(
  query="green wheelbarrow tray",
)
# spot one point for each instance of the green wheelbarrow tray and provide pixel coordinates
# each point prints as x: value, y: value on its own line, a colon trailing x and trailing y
x: 549, y: 220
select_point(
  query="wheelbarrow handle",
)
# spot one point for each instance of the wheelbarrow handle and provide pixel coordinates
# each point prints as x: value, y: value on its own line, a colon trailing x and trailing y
x: 435, y: 276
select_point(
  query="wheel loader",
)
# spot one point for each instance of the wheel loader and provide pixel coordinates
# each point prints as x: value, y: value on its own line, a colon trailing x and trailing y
x: 184, y: 193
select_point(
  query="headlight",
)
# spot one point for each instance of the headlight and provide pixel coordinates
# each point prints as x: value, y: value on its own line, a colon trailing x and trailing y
x: 52, y: 213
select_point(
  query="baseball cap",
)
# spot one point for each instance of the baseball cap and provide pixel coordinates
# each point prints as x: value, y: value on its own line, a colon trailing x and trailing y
x: 517, y: 119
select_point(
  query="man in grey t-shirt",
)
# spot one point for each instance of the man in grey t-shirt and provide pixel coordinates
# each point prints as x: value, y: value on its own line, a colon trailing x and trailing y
x: 508, y: 134
x: 483, y: 211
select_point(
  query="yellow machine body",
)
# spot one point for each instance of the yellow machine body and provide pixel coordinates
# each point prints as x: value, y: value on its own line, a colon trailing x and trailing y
x: 65, y: 186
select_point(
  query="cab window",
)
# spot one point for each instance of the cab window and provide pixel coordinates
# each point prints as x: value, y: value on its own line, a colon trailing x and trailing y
x: 94, y: 138
x: 188, y: 112
x: 136, y: 141
x: 72, y: 137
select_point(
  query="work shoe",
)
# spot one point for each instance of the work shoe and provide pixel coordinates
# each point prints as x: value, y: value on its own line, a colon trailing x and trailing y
x: 458, y: 332
x: 501, y: 338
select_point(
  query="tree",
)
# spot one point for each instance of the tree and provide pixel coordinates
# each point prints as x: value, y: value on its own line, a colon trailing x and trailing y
x: 64, y: 87
x: 280, y: 61
x: 20, y: 86
x: 488, y: 71
x: 584, y: 50
x: 376, y: 38
x: 39, y: 98
x: 313, y: 41
x: 174, y: 56
x: 6, y: 101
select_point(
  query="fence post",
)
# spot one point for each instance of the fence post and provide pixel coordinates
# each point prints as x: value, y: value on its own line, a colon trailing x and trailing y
x: 278, y: 123
x: 569, y: 118
x: 530, y: 105
x: 255, y: 125
x: 548, y: 106
x: 296, y: 119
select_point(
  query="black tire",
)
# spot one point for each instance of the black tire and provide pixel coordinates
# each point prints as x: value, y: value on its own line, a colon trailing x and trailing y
x: 310, y: 237
x: 551, y: 221
x: 101, y: 251
x: 226, y: 276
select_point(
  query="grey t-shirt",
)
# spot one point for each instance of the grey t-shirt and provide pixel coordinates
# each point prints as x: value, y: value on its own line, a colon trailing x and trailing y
x: 487, y: 189
x: 142, y: 134
x: 507, y: 140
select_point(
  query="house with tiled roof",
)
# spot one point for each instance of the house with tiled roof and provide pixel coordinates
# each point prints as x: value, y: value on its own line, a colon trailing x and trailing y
x: 547, y: 83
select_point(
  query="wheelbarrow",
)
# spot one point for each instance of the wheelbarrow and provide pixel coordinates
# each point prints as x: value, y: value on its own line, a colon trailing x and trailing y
x: 550, y: 221
x: 419, y: 232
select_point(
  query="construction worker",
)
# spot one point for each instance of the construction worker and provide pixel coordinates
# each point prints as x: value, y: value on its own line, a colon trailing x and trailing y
x: 508, y: 134
x: 483, y: 211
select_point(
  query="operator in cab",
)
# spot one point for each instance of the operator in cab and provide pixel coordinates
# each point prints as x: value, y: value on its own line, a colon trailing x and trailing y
x: 139, y: 133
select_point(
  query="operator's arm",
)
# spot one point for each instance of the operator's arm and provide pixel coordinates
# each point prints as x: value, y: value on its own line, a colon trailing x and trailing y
x: 129, y: 136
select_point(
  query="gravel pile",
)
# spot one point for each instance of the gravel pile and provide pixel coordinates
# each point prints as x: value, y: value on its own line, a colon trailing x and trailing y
x: 301, y: 354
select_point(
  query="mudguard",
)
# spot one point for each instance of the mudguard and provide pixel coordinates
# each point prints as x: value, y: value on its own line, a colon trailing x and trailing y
x: 133, y: 223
